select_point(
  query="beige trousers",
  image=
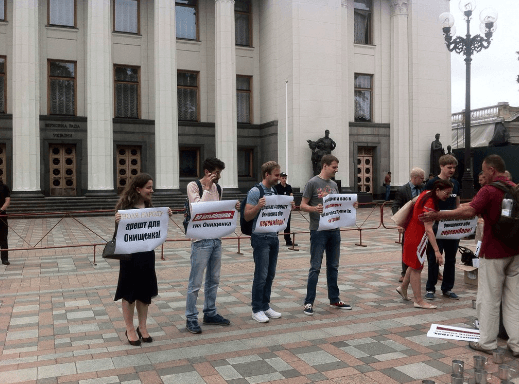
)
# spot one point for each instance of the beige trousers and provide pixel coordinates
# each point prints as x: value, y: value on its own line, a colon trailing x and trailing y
x: 498, y: 281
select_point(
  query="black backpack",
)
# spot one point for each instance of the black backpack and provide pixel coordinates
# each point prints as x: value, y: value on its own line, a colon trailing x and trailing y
x: 246, y: 226
x: 187, y: 209
x: 506, y: 230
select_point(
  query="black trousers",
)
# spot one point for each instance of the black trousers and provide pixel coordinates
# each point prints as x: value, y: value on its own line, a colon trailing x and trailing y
x: 287, y: 230
x: 3, y: 237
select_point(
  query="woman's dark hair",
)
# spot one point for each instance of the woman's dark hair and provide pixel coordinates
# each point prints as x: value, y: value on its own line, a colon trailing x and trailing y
x: 129, y: 196
x: 438, y: 184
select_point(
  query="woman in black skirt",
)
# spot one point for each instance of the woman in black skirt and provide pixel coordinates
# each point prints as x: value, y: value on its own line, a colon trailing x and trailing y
x: 137, y: 279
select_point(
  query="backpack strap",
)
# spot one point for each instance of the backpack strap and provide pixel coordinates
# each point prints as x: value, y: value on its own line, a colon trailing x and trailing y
x: 219, y: 190
x: 200, y: 188
x: 502, y: 186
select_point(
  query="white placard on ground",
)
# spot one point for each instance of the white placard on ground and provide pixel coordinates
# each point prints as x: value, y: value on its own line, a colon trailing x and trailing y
x: 453, y: 333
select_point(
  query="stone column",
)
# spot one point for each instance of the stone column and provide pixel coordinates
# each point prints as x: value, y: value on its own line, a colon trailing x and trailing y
x: 99, y: 70
x: 26, y: 98
x: 400, y: 151
x: 225, y: 108
x: 166, y: 108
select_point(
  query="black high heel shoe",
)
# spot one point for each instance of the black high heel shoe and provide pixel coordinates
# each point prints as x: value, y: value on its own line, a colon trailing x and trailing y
x: 144, y: 339
x: 135, y: 343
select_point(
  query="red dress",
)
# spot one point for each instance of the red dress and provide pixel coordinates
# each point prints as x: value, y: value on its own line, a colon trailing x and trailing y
x: 415, y: 231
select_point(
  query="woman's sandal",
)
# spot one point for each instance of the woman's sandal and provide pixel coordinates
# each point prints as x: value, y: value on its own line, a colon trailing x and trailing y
x: 402, y: 293
x: 425, y: 306
x: 148, y: 339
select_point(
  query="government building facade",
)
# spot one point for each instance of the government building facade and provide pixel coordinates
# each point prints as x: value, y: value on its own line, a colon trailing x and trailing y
x: 95, y: 91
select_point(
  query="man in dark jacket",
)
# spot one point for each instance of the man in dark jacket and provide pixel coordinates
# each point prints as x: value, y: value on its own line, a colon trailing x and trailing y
x: 5, y: 200
x: 405, y: 193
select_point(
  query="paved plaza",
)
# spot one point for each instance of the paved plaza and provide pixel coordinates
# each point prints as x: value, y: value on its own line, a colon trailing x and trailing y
x: 61, y: 325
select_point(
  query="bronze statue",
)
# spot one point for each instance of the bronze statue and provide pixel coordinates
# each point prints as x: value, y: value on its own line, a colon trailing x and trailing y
x: 437, y: 151
x: 323, y: 146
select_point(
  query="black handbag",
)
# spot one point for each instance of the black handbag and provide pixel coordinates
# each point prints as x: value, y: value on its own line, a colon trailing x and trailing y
x: 109, y: 249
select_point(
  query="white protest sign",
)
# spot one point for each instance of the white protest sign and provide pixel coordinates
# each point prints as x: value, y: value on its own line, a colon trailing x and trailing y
x: 453, y: 333
x: 212, y: 219
x: 338, y: 212
x: 421, y: 250
x: 456, y: 229
x: 141, y: 230
x: 273, y: 217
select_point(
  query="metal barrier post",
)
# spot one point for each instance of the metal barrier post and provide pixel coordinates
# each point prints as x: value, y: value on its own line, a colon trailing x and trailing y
x: 95, y: 264
x: 360, y: 243
x: 239, y: 249
x: 162, y: 252
x: 293, y: 247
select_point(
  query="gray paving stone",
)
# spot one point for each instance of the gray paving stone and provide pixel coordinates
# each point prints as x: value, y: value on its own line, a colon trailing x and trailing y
x: 419, y: 371
x: 18, y: 375
x: 56, y: 370
x: 94, y: 365
x: 317, y: 357
x: 266, y: 378
x: 228, y: 372
x: 130, y: 361
x: 254, y: 368
x: 185, y: 378
x: 315, y: 377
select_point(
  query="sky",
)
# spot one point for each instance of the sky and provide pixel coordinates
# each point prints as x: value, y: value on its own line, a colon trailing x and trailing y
x: 495, y: 69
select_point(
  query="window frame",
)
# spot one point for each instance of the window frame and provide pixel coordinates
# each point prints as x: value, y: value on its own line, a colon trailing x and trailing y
x: 369, y: 27
x: 138, y: 20
x: 250, y: 24
x: 197, y: 73
x: 60, y: 25
x: 127, y: 82
x: 355, y: 89
x: 5, y: 11
x: 197, y: 22
x: 5, y: 83
x: 50, y: 78
x: 251, y: 110
x: 198, y: 163
x: 250, y: 151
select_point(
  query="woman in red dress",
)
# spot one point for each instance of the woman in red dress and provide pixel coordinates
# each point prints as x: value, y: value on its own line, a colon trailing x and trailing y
x: 414, y: 234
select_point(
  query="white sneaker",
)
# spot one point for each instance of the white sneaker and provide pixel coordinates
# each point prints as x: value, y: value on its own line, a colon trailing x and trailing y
x: 260, y: 317
x: 272, y: 314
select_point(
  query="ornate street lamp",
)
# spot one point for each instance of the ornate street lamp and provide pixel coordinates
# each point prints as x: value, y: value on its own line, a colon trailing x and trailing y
x: 467, y: 46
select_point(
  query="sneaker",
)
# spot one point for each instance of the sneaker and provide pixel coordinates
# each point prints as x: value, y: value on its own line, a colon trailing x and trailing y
x: 475, y: 346
x: 193, y: 327
x: 308, y: 309
x: 260, y: 317
x: 216, y: 320
x: 429, y: 296
x: 340, y: 305
x: 272, y: 314
x: 451, y: 295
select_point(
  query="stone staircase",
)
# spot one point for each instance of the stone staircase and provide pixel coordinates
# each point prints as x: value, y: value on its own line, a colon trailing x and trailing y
x: 97, y: 206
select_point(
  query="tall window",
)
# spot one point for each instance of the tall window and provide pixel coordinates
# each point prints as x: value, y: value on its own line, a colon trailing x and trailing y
x: 187, y: 95
x: 3, y: 84
x: 187, y: 19
x: 243, y: 98
x: 362, y: 24
x: 126, y: 16
x: 62, y: 12
x: 245, y: 162
x: 363, y: 97
x: 243, y: 22
x: 189, y: 161
x: 2, y: 9
x: 127, y: 91
x: 62, y: 88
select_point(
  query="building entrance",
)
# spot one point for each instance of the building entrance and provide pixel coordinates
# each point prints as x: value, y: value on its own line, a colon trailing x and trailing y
x: 128, y: 164
x: 62, y: 167
x: 365, y: 170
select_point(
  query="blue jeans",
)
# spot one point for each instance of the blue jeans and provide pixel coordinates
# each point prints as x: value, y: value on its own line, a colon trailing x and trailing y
x: 388, y: 191
x: 449, y: 249
x: 265, y: 254
x: 320, y: 241
x: 204, y: 254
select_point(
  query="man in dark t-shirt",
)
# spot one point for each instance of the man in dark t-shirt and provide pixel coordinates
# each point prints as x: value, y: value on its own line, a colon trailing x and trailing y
x: 285, y: 189
x: 5, y: 200
x: 448, y: 247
